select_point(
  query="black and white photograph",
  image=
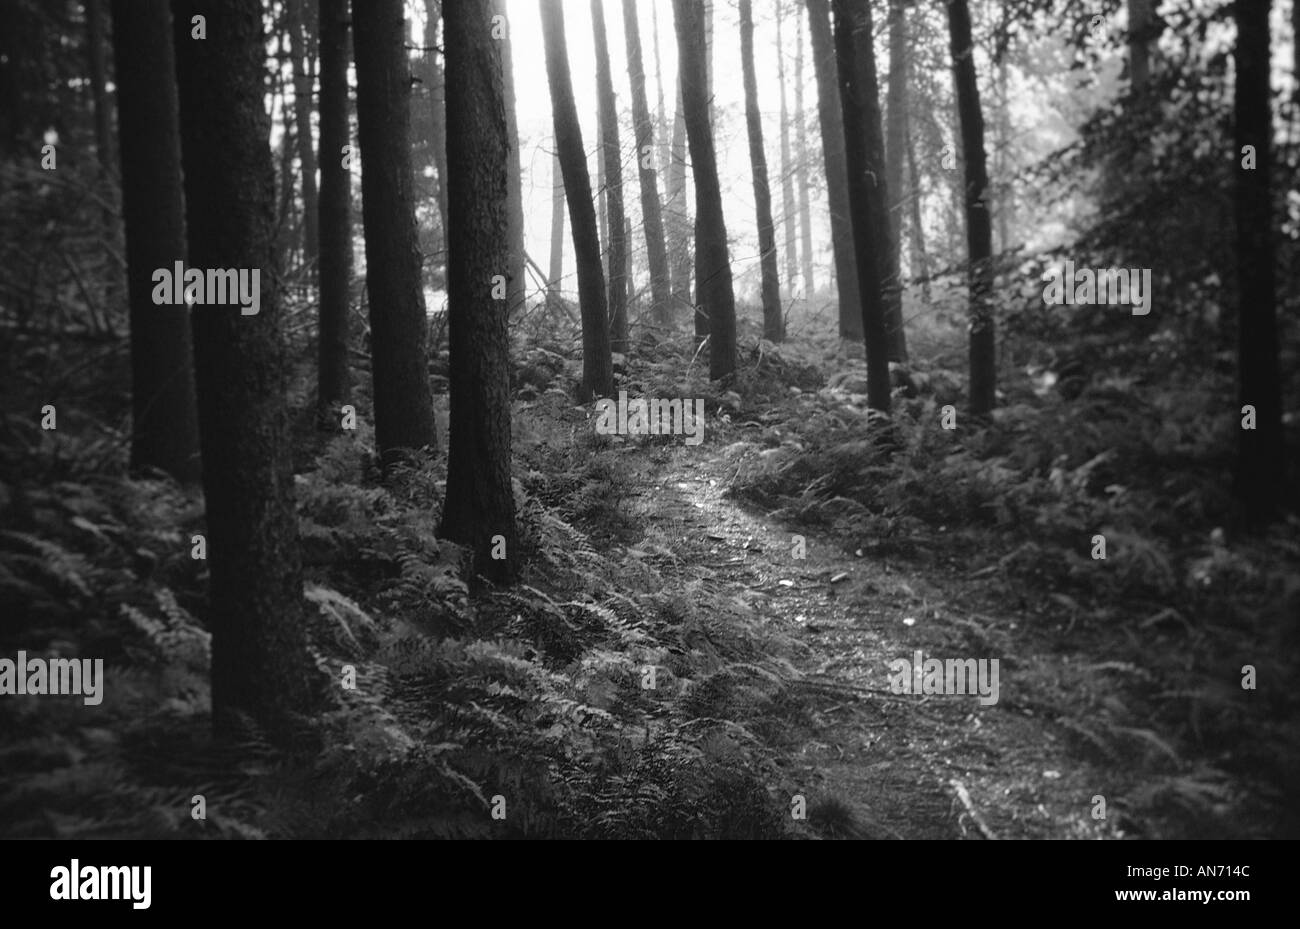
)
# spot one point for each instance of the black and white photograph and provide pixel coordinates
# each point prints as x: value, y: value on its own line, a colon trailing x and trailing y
x: 760, y: 420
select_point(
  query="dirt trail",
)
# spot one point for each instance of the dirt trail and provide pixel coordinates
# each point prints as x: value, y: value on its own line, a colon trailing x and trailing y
x: 894, y: 760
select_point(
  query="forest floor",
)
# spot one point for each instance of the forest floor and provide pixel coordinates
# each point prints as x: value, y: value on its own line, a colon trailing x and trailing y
x: 1120, y: 710
x: 903, y: 765
x: 1080, y: 742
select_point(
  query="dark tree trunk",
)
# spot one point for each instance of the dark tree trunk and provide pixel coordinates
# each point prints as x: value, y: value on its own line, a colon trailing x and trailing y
x: 887, y: 259
x: 612, y: 159
x: 260, y: 664
x: 518, y: 287
x: 300, y: 58
x: 855, y: 58
x: 398, y: 326
x: 1295, y: 48
x: 895, y: 133
x: 597, y: 366
x: 979, y: 230
x: 773, y: 324
x: 678, y: 221
x: 1005, y: 201
x: 602, y: 198
x: 96, y: 48
x: 789, y: 214
x: 1261, y: 466
x: 438, y: 103
x: 164, y: 429
x: 831, y: 118
x: 334, y: 386
x: 661, y: 115
x: 480, y: 506
x: 920, y: 260
x: 1139, y: 62
x: 656, y: 250
x: 712, y: 266
x: 557, y: 228
x: 801, y: 163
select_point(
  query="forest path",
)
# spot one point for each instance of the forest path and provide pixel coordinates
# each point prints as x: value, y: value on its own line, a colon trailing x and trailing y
x: 889, y: 764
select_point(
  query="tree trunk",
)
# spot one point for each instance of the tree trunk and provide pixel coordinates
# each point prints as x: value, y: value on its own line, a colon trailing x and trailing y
x: 1261, y: 465
x: 1002, y: 185
x: 801, y: 163
x: 334, y: 386
x: 831, y: 118
x: 96, y: 47
x: 286, y: 246
x: 856, y: 61
x: 602, y: 189
x: 612, y: 158
x: 518, y: 283
x: 1139, y: 25
x: 895, y: 132
x: 661, y: 114
x: 708, y: 58
x: 260, y: 664
x: 712, y: 266
x: 438, y: 101
x: 920, y: 260
x: 652, y: 217
x: 480, y: 506
x: 677, y: 221
x: 597, y: 366
x: 557, y: 228
x: 299, y: 57
x: 1295, y: 49
x: 398, y: 325
x: 773, y: 324
x: 787, y: 170
x: 979, y: 231
x: 164, y: 427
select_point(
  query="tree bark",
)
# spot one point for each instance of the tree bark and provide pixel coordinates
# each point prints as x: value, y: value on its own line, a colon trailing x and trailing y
x: 438, y: 102
x: 856, y: 61
x: 801, y: 164
x: 1261, y: 468
x: 661, y: 114
x: 712, y: 266
x: 1140, y: 14
x: 652, y: 217
x: 299, y: 58
x: 557, y: 228
x: 96, y: 47
x: 920, y: 260
x: 895, y: 133
x: 678, y: 221
x: 260, y: 664
x: 979, y: 231
x: 480, y: 507
x: 773, y: 323
x: 787, y: 171
x: 612, y: 159
x: 164, y: 427
x: 518, y: 283
x: 831, y: 118
x: 597, y: 365
x: 403, y: 401
x: 334, y: 386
